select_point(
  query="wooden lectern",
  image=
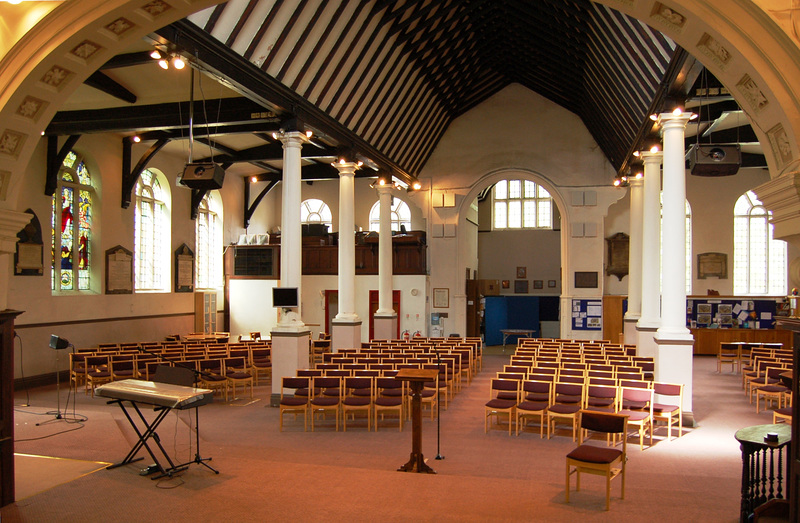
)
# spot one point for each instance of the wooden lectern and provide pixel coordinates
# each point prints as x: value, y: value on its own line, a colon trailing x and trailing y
x: 416, y: 378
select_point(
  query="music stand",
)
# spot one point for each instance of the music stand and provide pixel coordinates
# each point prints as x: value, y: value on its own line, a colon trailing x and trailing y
x: 58, y: 344
x: 187, y: 377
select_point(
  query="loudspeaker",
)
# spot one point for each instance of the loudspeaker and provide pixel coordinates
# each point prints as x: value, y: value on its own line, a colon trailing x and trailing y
x: 58, y: 343
x: 204, y: 176
x: 714, y: 159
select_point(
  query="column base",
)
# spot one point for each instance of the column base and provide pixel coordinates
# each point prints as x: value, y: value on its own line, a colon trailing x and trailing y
x: 289, y: 353
x: 674, y: 364
x: 345, y: 334
x: 645, y: 341
x: 385, y: 326
x: 629, y: 330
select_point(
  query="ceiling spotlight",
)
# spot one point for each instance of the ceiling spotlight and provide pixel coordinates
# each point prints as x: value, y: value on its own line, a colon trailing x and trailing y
x: 163, y: 64
x: 639, y: 175
x: 253, y: 179
x: 417, y: 186
x: 654, y: 149
x: 381, y: 181
x: 342, y: 161
x: 156, y: 54
x: 136, y: 139
x: 677, y: 111
x: 636, y: 153
x: 694, y: 116
x: 654, y: 117
x: 359, y: 163
x: 617, y: 182
x: 178, y: 63
x: 309, y: 134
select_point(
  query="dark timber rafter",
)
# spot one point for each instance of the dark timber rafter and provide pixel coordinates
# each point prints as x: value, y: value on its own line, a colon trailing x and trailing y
x: 248, y: 79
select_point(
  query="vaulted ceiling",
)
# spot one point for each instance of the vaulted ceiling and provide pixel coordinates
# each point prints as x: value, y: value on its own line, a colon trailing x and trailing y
x: 384, y: 79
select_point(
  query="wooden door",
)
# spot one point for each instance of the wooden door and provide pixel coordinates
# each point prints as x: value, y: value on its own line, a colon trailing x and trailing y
x: 373, y: 306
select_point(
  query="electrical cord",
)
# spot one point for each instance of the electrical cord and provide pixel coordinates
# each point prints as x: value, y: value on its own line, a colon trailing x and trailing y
x: 22, y: 373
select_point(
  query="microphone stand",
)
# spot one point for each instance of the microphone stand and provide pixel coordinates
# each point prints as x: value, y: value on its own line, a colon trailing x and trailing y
x: 438, y: 417
x: 197, y: 373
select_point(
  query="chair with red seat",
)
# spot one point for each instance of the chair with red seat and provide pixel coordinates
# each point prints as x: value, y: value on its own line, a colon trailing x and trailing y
x: 602, y: 461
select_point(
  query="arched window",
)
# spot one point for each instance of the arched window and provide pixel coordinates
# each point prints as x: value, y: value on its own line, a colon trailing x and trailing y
x: 759, y: 260
x: 400, y: 212
x: 152, y: 233
x: 521, y: 204
x: 316, y: 211
x: 688, y: 243
x: 72, y: 226
x: 208, y: 230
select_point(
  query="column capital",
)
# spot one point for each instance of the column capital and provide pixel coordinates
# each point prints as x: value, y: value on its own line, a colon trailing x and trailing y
x: 346, y: 168
x: 291, y: 138
x: 636, y: 181
x: 385, y: 189
x: 673, y: 119
x: 11, y: 222
x: 651, y: 156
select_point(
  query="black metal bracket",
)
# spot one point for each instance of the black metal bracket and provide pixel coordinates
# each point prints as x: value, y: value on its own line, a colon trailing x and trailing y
x: 249, y: 208
x: 131, y: 176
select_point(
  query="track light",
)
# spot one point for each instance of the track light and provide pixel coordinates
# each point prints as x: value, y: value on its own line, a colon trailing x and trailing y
x: 136, y: 139
x: 416, y: 186
x: 178, y: 63
x: 163, y: 64
x: 156, y: 54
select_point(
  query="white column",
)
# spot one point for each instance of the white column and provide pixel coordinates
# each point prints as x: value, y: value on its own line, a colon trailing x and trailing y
x: 346, y: 328
x: 290, y: 338
x: 673, y: 234
x: 291, y: 231
x: 634, y: 261
x: 650, y: 318
x: 385, y: 251
x: 674, y: 342
x: 385, y: 322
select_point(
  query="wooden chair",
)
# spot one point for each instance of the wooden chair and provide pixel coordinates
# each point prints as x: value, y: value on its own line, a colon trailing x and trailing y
x: 324, y: 403
x: 358, y: 396
x: 497, y: 406
x: 290, y: 402
x: 728, y: 354
x: 236, y: 372
x: 536, y: 398
x: 261, y: 363
x: 212, y: 375
x: 601, y: 461
x: 96, y: 372
x: 389, y: 397
x: 772, y: 392
x: 670, y: 412
x: 642, y: 418
x: 567, y: 403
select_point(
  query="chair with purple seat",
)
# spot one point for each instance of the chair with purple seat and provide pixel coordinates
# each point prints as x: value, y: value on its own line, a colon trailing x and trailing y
x: 497, y: 406
x: 601, y: 461
x: 358, y: 396
x: 773, y: 390
x: 389, y: 397
x: 566, y: 405
x: 292, y: 403
x: 671, y: 412
x: 324, y: 403
x: 637, y: 404
x: 537, y: 396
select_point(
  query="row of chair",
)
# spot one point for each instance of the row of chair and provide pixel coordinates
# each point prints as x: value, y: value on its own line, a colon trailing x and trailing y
x: 552, y: 401
x: 739, y: 354
x: 345, y: 397
x: 92, y: 369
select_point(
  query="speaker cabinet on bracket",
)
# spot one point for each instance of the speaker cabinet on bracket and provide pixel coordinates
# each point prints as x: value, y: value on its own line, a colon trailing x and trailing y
x: 714, y: 159
x: 203, y: 176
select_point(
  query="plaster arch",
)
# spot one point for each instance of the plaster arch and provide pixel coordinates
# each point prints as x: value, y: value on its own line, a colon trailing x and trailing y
x: 759, y: 47
x: 479, y: 185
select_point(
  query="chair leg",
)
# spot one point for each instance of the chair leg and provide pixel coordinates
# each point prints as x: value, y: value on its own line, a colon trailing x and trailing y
x: 567, y: 491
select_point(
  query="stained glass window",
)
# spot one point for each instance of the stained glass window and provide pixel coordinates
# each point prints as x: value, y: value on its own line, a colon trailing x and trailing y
x: 208, y: 230
x: 152, y: 233
x: 316, y: 211
x: 522, y: 204
x: 72, y: 226
x: 759, y: 260
x: 399, y: 211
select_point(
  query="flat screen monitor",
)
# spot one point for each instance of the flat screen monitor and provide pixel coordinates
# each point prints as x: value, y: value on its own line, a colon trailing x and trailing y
x: 284, y: 297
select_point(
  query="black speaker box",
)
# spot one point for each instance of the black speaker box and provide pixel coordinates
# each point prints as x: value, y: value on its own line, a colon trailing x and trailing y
x: 204, y: 176
x: 714, y: 159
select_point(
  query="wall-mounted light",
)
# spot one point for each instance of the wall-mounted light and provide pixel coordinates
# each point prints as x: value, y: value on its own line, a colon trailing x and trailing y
x: 136, y: 138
